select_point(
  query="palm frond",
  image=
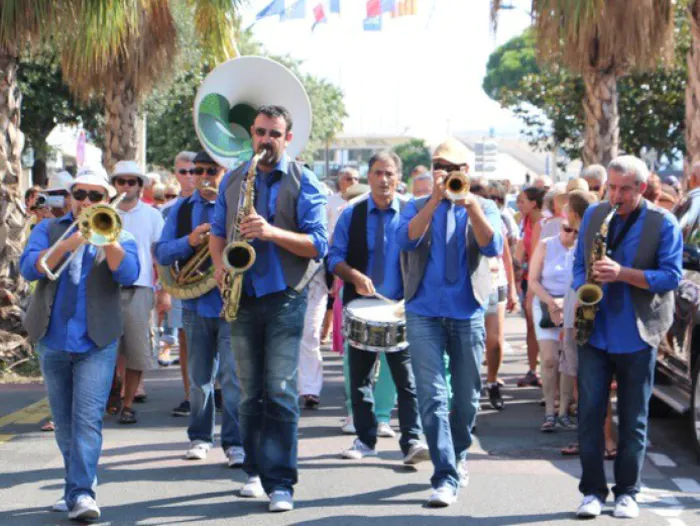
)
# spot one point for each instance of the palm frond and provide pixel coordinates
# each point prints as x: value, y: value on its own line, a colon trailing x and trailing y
x: 215, y: 24
x: 24, y: 22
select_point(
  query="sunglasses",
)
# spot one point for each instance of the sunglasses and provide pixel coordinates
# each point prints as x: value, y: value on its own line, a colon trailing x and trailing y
x: 275, y: 134
x: 123, y: 182
x: 93, y: 195
x: 209, y: 171
x: 170, y: 196
x: 447, y: 167
x: 569, y: 230
x: 594, y: 188
x: 182, y: 171
x: 496, y: 198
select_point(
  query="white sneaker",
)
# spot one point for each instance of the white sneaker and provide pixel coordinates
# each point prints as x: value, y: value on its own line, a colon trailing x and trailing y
x: 442, y: 497
x: 198, y: 450
x: 590, y: 507
x: 348, y: 426
x: 85, y: 509
x: 418, y: 452
x: 236, y: 456
x: 358, y: 451
x: 253, y: 489
x: 384, y: 430
x: 626, y: 508
x: 281, y: 500
x: 463, y: 473
x: 60, y: 505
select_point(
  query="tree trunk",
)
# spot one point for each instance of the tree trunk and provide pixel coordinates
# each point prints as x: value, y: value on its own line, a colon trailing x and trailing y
x: 39, y: 175
x: 13, y: 289
x: 692, y: 89
x: 602, y: 134
x: 121, y: 107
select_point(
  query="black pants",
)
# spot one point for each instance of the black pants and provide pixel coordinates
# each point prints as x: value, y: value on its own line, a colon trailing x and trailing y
x: 362, y: 396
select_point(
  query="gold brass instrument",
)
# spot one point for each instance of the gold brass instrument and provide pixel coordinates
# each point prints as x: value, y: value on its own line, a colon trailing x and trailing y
x: 98, y: 224
x: 457, y: 185
x: 239, y: 254
x: 590, y: 293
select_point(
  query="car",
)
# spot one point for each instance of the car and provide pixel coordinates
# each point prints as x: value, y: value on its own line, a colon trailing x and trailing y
x: 677, y: 379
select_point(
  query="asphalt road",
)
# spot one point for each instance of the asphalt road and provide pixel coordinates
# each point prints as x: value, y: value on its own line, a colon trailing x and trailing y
x: 517, y: 473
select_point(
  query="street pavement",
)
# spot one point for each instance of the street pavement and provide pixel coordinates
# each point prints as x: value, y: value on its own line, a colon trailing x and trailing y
x: 517, y: 473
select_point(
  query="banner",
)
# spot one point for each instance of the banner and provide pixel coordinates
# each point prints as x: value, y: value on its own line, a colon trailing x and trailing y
x: 296, y: 11
x: 374, y: 8
x: 373, y: 23
x: 335, y: 6
x: 276, y: 7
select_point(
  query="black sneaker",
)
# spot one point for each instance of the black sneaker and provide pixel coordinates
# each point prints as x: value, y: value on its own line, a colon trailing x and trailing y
x: 183, y: 409
x: 495, y: 397
x: 217, y: 400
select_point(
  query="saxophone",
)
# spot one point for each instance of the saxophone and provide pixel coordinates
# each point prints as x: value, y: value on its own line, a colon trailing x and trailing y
x: 591, y: 293
x: 239, y: 255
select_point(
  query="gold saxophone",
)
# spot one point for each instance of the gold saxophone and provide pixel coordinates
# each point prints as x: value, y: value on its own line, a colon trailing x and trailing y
x: 239, y: 255
x: 591, y: 293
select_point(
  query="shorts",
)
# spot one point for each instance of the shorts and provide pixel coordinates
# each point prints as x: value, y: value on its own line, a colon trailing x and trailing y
x: 540, y: 333
x: 568, y: 358
x: 135, y: 343
x: 172, y: 322
x: 495, y: 299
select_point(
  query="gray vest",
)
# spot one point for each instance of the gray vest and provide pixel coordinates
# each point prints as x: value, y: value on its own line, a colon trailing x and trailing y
x: 414, y: 262
x: 654, y: 312
x: 297, y: 271
x: 104, y: 314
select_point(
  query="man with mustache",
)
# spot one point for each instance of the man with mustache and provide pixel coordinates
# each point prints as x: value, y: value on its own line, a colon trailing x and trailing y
x: 287, y: 228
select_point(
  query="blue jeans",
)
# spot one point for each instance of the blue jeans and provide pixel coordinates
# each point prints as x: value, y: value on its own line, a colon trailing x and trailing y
x: 172, y: 321
x: 384, y: 389
x: 447, y: 431
x: 78, y: 385
x: 635, y: 379
x: 265, y: 339
x: 362, y: 394
x: 209, y: 347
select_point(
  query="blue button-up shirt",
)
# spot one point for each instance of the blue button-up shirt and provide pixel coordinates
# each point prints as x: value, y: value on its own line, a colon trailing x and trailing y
x: 391, y: 287
x: 615, y: 329
x: 170, y: 249
x: 311, y: 220
x: 436, y: 297
x: 71, y: 335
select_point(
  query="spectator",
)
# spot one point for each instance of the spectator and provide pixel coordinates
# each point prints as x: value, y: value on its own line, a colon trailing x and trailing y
x: 596, y: 177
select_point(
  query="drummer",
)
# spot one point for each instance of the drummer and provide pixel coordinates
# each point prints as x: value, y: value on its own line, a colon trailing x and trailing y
x: 365, y: 256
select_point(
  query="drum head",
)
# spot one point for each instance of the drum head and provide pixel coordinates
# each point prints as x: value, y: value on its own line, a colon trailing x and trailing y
x: 372, y: 309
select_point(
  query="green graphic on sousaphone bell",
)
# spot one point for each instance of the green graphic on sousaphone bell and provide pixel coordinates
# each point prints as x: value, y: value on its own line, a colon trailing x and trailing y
x: 215, y: 119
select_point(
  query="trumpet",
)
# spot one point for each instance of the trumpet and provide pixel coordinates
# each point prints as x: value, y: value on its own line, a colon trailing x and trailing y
x: 208, y: 189
x: 456, y: 185
x: 98, y: 224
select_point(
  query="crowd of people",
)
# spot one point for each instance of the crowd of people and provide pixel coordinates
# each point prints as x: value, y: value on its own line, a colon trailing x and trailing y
x: 458, y: 266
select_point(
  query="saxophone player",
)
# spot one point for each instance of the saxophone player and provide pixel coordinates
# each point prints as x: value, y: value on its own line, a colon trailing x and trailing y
x: 287, y: 227
x: 208, y: 335
x: 640, y: 268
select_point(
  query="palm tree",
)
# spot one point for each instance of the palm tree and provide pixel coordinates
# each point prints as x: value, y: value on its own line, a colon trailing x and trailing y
x: 692, y: 89
x: 601, y: 40
x: 116, y: 49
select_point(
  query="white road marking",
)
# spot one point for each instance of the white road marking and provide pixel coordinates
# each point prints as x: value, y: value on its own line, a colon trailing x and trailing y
x: 661, y: 461
x: 687, y: 485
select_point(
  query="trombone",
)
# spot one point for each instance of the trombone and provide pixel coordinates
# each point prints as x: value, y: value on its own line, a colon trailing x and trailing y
x: 98, y: 224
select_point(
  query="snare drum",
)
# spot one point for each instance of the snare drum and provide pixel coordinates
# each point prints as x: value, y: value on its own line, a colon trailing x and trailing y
x: 374, y: 325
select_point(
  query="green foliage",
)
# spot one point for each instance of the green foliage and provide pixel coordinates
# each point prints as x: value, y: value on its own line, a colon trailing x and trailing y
x: 413, y: 153
x: 509, y: 64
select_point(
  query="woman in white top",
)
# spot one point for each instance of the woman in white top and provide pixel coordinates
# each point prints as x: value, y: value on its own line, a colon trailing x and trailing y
x: 550, y: 274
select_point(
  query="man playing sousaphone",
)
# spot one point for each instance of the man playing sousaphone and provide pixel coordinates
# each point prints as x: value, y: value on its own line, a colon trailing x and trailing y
x: 363, y: 252
x: 185, y: 232
x: 75, y: 322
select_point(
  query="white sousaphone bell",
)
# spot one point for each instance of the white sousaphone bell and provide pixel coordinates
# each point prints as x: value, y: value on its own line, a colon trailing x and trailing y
x: 228, y: 99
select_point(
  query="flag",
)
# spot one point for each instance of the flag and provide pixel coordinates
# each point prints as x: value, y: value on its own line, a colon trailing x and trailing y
x: 373, y: 23
x: 276, y: 7
x: 334, y: 6
x: 374, y: 8
x: 297, y: 10
x: 405, y: 8
x: 319, y: 15
x: 388, y: 6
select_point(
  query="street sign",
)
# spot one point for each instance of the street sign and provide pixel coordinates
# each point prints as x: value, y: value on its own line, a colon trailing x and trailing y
x: 486, y: 153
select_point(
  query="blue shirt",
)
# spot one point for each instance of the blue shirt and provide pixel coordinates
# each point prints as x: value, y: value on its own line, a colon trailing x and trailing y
x: 615, y: 328
x: 71, y: 335
x: 436, y: 297
x: 392, y: 286
x: 311, y: 220
x: 170, y: 249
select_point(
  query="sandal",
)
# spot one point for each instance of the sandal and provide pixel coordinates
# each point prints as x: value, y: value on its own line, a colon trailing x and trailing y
x: 549, y: 425
x: 49, y: 426
x: 610, y: 454
x: 140, y: 398
x: 311, y: 401
x: 571, y: 450
x: 114, y: 402
x: 128, y: 416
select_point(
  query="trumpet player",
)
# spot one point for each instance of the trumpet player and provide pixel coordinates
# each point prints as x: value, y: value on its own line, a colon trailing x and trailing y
x: 447, y: 284
x: 640, y: 268
x: 287, y: 227
x: 75, y: 322
x: 208, y: 336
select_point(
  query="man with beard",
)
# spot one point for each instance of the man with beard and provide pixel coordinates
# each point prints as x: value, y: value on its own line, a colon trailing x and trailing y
x: 288, y: 230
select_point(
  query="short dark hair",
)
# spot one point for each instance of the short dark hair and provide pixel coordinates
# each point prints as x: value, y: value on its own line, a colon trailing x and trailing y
x: 386, y: 156
x: 579, y: 201
x: 31, y: 192
x: 535, y: 194
x: 272, y: 111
